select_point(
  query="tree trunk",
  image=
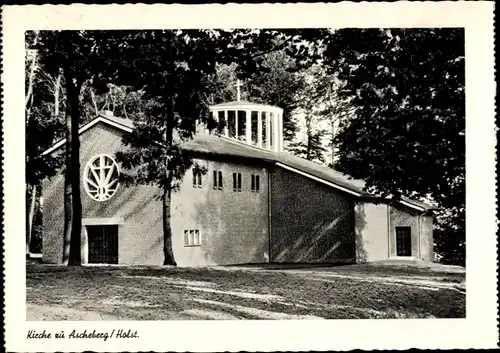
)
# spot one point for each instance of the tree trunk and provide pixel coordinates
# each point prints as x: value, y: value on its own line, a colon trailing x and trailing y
x: 27, y: 215
x: 31, y: 214
x: 75, y: 246
x: 167, y: 190
x: 167, y: 230
x: 68, y: 190
x: 31, y: 76
x: 56, y: 95
x: 93, y: 101
x: 72, y: 197
x: 309, y: 137
x: 333, y: 143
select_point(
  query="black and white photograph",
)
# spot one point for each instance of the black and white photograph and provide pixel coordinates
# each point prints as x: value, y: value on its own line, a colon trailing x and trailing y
x: 243, y: 173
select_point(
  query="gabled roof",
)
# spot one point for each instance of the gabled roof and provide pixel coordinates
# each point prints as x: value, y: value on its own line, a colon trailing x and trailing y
x: 123, y: 124
x: 223, y: 146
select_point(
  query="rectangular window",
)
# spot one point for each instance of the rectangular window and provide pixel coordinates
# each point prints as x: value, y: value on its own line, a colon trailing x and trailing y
x: 197, y: 179
x: 255, y: 183
x: 403, y: 241
x: 192, y: 237
x: 217, y: 180
x: 236, y: 181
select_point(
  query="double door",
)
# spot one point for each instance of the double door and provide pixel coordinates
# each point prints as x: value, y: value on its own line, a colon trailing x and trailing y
x: 103, y: 244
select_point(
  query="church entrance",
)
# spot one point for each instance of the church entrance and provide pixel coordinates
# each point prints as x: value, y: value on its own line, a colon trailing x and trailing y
x: 403, y: 241
x: 102, y: 244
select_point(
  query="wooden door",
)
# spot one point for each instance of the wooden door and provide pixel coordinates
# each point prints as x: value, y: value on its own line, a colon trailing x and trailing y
x: 403, y: 241
x: 103, y: 244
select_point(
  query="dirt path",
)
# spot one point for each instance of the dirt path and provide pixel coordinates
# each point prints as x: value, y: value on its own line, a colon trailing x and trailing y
x: 55, y: 313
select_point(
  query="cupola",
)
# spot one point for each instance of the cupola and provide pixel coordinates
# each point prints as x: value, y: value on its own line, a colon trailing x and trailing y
x: 255, y: 124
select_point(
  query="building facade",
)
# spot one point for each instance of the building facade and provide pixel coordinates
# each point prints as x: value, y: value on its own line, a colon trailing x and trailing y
x: 254, y: 204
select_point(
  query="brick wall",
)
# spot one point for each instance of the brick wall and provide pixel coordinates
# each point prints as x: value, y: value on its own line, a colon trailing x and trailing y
x: 310, y: 221
x: 140, y: 238
x: 233, y: 225
x: 53, y: 219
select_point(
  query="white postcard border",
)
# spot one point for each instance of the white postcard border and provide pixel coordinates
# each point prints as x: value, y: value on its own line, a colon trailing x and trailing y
x: 478, y: 330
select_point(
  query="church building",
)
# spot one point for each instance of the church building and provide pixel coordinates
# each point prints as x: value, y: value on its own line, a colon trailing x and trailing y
x: 255, y: 204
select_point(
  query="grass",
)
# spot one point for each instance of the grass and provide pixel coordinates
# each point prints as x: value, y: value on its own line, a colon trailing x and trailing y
x: 166, y: 293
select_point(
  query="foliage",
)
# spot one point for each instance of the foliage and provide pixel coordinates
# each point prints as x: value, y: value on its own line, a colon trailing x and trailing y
x: 170, y: 67
x: 310, y: 107
x: 42, y: 130
x: 321, y: 111
x: 278, y: 85
x: 221, y: 84
x: 43, y: 124
x: 173, y: 68
x: 77, y: 57
x: 398, y: 105
x: 277, y: 81
x: 329, y: 108
x: 270, y: 62
x: 275, y: 84
x: 407, y: 134
x: 449, y: 236
x: 311, y: 148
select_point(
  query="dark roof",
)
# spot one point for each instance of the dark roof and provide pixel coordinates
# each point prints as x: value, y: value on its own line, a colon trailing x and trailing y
x: 219, y: 145
x: 223, y: 146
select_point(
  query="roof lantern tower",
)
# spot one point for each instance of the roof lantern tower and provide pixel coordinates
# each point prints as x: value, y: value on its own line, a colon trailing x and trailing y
x: 255, y: 124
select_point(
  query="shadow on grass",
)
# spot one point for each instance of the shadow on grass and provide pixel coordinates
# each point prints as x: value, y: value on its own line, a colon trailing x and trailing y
x: 169, y: 293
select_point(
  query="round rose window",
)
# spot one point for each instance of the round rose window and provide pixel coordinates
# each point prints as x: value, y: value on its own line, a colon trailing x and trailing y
x: 100, y: 177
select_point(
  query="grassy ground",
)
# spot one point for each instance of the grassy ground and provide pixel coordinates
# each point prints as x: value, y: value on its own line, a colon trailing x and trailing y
x: 163, y: 293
